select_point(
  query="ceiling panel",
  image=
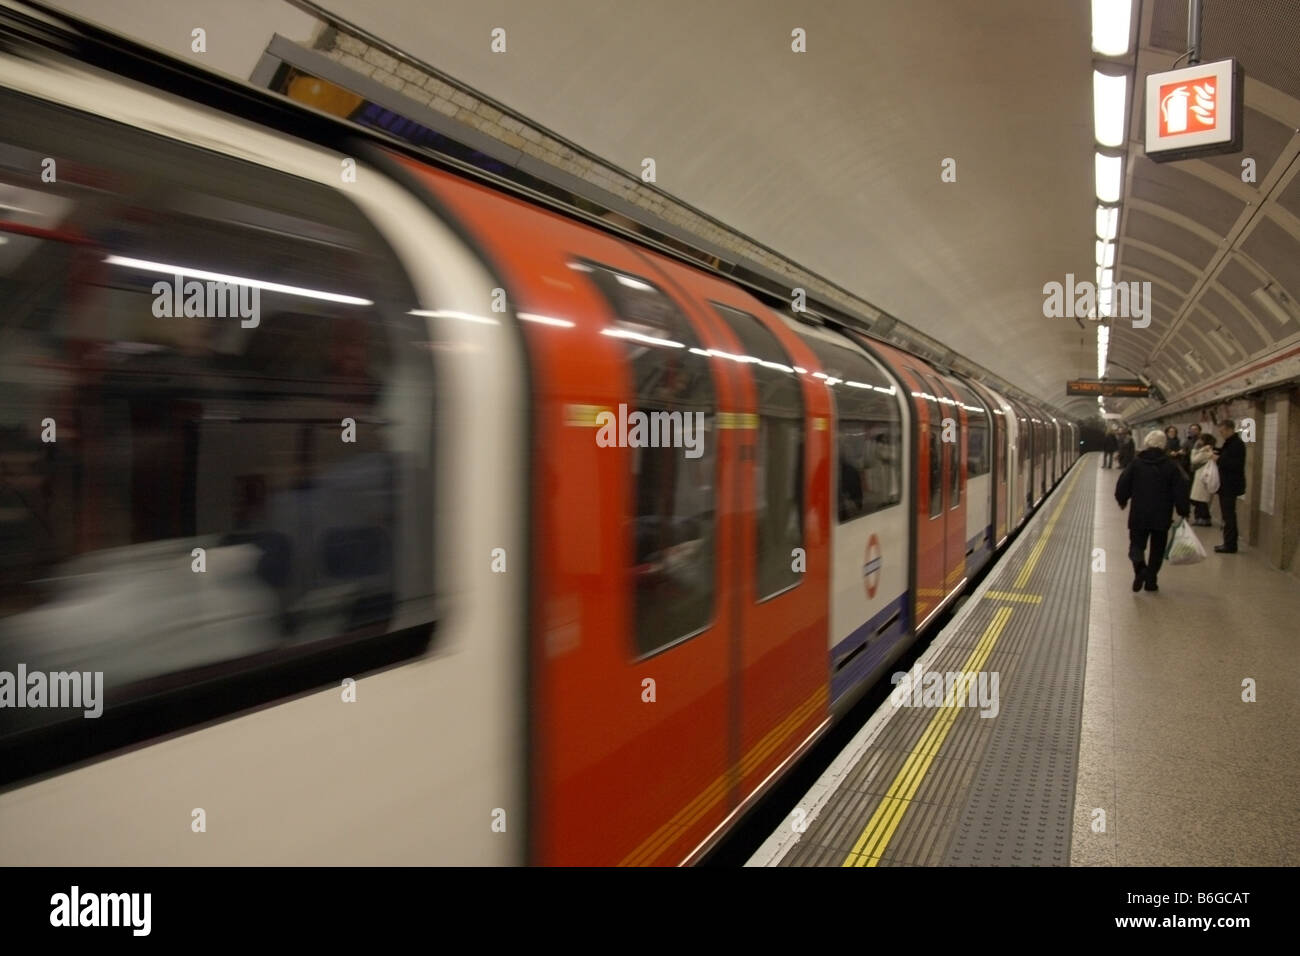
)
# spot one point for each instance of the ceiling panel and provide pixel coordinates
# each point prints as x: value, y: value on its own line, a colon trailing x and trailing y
x: 1164, y: 234
x: 1221, y: 309
x: 1202, y: 202
x: 1175, y: 275
x: 1276, y: 252
x: 1289, y: 198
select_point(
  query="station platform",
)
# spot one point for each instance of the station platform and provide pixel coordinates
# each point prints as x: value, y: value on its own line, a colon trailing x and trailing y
x: 1120, y: 728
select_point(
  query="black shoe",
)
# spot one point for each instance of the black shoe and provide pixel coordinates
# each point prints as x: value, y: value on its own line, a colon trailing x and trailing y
x: 1223, y: 549
x: 1140, y: 576
x: 1151, y: 586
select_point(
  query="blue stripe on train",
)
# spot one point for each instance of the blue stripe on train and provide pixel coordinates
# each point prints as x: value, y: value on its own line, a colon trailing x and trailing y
x: 877, y: 646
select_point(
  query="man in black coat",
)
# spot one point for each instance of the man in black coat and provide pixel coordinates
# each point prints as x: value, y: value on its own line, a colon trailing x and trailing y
x: 1156, y: 487
x: 1126, y: 449
x: 1231, y: 457
x: 1109, y: 445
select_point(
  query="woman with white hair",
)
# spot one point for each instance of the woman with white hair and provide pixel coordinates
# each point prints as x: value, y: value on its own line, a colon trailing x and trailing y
x: 1157, y: 487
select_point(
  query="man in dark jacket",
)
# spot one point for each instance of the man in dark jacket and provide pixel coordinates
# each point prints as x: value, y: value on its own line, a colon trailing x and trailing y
x: 1109, y: 445
x: 1126, y: 449
x: 1231, y: 458
x: 1156, y: 487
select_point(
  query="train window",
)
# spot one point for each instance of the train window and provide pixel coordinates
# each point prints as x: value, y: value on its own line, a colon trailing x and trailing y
x: 935, y: 433
x: 869, y: 430
x: 978, y: 454
x: 936, y: 471
x: 778, y: 477
x: 206, y: 474
x: 1003, y: 465
x: 673, y: 497
x: 950, y: 410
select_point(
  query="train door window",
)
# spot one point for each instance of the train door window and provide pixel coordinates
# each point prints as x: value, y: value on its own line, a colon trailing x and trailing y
x: 237, y: 457
x: 978, y: 452
x: 778, y: 475
x: 934, y: 434
x: 951, y: 414
x: 1000, y: 417
x: 869, y: 430
x: 674, y: 477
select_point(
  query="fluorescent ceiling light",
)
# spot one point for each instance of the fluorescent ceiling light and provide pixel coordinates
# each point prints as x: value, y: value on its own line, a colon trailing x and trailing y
x: 1107, y: 279
x: 145, y: 265
x: 1110, y: 26
x: 1105, y: 302
x: 1108, y: 96
x: 1110, y: 171
x: 1107, y: 219
x: 1221, y: 336
x: 1275, y: 301
x: 1105, y: 254
x: 638, y: 337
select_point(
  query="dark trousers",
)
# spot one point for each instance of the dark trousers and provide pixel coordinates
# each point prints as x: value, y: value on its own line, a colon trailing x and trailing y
x: 1228, y: 507
x: 1143, y: 566
x: 1106, y: 457
x: 1202, y: 510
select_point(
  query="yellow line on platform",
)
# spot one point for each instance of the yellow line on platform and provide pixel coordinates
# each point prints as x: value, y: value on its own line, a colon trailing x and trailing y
x: 1013, y: 596
x: 1023, y: 577
x: 870, y: 846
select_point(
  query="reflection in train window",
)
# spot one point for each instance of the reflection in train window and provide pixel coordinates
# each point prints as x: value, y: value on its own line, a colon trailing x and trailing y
x: 977, y: 431
x: 778, y: 477
x: 934, y: 431
x: 869, y: 430
x: 952, y: 414
x: 673, y: 483
x: 177, y: 486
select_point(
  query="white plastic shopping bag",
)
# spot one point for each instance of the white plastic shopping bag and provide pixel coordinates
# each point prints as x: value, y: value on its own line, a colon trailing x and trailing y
x: 1208, y: 476
x: 1184, y: 546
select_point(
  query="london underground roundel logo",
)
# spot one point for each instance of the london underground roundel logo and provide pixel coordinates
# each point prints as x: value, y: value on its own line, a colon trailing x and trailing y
x: 871, y: 570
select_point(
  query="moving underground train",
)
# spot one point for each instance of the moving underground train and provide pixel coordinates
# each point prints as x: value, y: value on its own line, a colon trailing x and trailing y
x: 354, y: 509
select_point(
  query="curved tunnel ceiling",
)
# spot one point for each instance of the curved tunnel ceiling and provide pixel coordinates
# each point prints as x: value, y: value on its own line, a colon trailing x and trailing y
x: 831, y: 157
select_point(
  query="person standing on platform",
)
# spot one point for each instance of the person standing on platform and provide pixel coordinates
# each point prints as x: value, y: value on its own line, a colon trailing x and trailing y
x: 1201, y: 455
x: 1231, y: 457
x: 1126, y: 449
x: 1157, y: 488
x: 1109, y: 445
x: 1177, y: 450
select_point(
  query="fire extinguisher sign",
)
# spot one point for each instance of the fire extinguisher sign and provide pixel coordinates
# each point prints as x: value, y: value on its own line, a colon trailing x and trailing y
x: 1195, y: 111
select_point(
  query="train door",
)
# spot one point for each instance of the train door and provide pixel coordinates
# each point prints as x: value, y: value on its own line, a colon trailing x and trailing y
x: 1001, y: 463
x: 680, y: 516
x: 1041, y: 452
x: 1025, y: 474
x: 782, y: 572
x: 981, y: 483
x: 1056, y: 451
x: 931, y: 532
x: 953, y: 435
